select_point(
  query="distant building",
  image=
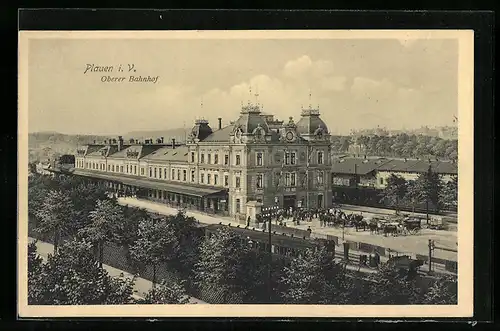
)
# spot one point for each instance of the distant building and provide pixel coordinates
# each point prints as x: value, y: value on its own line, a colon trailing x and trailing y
x: 44, y: 169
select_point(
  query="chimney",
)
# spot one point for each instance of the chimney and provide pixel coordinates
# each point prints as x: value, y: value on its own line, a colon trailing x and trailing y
x: 220, y: 123
x: 105, y: 141
x: 137, y: 141
x: 405, y: 159
x: 120, y: 143
x: 161, y: 139
x: 94, y: 142
x: 173, y: 143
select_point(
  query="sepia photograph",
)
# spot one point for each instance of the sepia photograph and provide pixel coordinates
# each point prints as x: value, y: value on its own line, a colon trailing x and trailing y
x: 323, y: 173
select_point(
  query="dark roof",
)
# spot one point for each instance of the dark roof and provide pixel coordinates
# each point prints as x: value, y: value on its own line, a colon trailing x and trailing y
x: 142, y: 150
x: 345, y: 165
x: 98, y: 150
x: 348, y: 165
x: 167, y: 153
x: 310, y: 122
x: 175, y: 187
x: 248, y: 122
x: 221, y: 135
x: 420, y: 166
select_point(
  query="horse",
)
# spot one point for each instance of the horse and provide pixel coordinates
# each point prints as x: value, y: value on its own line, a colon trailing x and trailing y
x: 373, y: 227
x: 390, y: 229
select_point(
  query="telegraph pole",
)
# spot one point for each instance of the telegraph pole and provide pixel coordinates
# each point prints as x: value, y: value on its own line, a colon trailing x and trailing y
x: 431, y: 248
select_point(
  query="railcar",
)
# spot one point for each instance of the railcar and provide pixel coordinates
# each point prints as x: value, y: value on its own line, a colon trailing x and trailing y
x: 281, y: 243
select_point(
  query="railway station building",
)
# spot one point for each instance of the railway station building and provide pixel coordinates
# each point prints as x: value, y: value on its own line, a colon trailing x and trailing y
x: 233, y: 170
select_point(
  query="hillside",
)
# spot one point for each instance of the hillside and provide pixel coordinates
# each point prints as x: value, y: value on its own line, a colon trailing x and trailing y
x: 178, y: 134
x: 49, y: 145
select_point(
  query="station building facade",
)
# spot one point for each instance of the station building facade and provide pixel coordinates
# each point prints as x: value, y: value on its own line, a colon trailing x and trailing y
x: 234, y: 170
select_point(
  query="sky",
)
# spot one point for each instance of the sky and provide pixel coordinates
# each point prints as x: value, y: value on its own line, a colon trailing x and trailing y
x: 356, y: 83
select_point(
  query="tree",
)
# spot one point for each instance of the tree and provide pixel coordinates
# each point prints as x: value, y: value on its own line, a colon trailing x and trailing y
x: 156, y: 244
x: 173, y: 294
x: 35, y: 274
x: 312, y: 277
x: 224, y: 266
x: 55, y: 216
x: 128, y: 230
x: 84, y: 196
x: 448, y: 196
x: 412, y: 193
x: 390, y: 286
x: 443, y: 291
x: 105, y: 221
x: 72, y: 276
x: 429, y: 186
x: 395, y: 190
x: 187, y: 234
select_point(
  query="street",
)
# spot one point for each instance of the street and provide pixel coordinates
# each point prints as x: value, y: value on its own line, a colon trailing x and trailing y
x: 404, y: 244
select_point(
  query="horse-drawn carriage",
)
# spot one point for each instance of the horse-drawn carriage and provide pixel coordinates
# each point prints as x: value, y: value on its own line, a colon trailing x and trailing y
x: 394, y: 225
x: 412, y: 225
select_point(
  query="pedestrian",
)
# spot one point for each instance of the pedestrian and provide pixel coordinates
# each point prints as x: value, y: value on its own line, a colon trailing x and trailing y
x: 248, y: 221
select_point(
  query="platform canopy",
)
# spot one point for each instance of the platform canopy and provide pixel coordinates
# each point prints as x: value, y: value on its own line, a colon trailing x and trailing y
x: 186, y: 189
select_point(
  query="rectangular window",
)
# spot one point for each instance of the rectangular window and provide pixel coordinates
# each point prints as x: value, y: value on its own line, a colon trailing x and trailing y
x: 237, y: 182
x: 208, y: 178
x: 320, y: 157
x: 192, y: 176
x: 121, y: 169
x: 292, y: 179
x: 226, y: 180
x: 202, y: 178
x: 142, y: 171
x: 381, y: 181
x: 259, y: 158
x: 135, y: 170
x: 127, y: 168
x: 165, y: 173
x: 238, y: 159
x: 260, y: 181
x: 287, y: 179
x: 192, y: 157
x: 320, y: 177
x: 184, y: 175
x: 287, y: 158
x: 292, y: 158
x: 216, y: 159
x: 156, y: 171
x: 209, y: 158
x: 112, y: 167
x: 238, y: 205
x: 150, y: 172
x: 173, y: 175
x: 202, y: 158
x: 215, y: 179
x: 159, y: 173
x: 178, y: 175
x: 226, y: 159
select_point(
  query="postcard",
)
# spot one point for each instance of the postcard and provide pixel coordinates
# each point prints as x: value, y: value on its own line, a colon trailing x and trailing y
x: 278, y: 173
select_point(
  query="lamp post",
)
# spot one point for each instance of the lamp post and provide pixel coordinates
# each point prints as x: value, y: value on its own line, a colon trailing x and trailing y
x: 431, y: 248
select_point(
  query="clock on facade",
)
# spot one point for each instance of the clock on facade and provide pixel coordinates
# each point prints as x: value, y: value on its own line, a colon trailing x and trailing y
x: 289, y: 135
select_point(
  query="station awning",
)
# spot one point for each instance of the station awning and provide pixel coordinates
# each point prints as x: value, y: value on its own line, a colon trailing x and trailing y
x: 187, y: 189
